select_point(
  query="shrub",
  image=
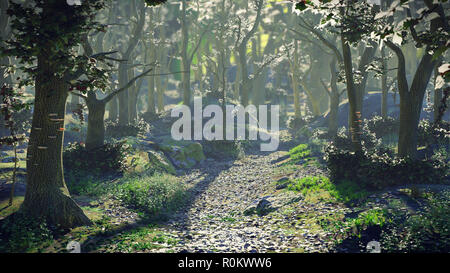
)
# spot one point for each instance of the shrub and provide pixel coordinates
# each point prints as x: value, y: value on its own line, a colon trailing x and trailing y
x: 221, y: 149
x: 83, y: 168
x: 376, y: 170
x: 150, y: 116
x: 368, y: 139
x: 382, y: 126
x: 295, y: 123
x: 428, y: 134
x: 154, y: 196
x: 114, y: 130
x: 428, y: 231
x: 19, y: 233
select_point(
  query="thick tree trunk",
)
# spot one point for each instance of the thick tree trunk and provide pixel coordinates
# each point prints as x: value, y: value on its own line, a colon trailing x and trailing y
x: 354, y: 116
x: 96, y: 124
x: 47, y: 195
x: 5, y: 34
x: 409, y: 120
x: 411, y: 99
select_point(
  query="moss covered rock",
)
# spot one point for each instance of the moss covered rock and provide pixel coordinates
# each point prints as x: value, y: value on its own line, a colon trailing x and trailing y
x: 183, y: 154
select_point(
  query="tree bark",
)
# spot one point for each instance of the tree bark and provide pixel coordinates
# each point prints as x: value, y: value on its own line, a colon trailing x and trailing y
x: 437, y: 98
x: 366, y: 58
x: 354, y: 117
x: 123, y: 97
x: 384, y: 87
x: 186, y: 77
x: 411, y: 100
x: 96, y: 123
x: 47, y: 195
x: 113, y: 109
x: 334, y: 101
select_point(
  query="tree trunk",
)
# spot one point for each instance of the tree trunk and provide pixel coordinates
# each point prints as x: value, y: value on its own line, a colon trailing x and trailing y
x: 411, y: 99
x: 409, y: 120
x: 186, y: 78
x: 5, y: 34
x: 123, y: 96
x: 295, y: 85
x: 74, y: 101
x: 151, y: 94
x: 47, y: 195
x: 437, y: 99
x: 96, y: 125
x: 354, y: 117
x: 334, y: 101
x: 132, y: 99
x: 360, y: 88
x: 384, y: 87
x: 112, y: 108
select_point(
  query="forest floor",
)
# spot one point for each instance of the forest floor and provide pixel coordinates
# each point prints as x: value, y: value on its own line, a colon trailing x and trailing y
x: 251, y: 204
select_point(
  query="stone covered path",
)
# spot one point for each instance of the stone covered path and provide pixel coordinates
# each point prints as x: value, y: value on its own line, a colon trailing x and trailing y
x: 213, y: 220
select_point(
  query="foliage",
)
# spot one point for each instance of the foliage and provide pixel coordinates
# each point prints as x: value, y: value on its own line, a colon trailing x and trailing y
x: 35, y: 35
x: 379, y: 170
x: 382, y: 126
x: 154, y: 196
x: 221, y: 149
x: 19, y: 233
x: 367, y: 225
x: 108, y: 159
x: 14, y: 112
x: 150, y: 116
x: 299, y: 153
x: 429, y: 133
x: 368, y: 139
x: 115, y: 130
x: 354, y: 19
x: 296, y: 123
x: 428, y: 231
x: 321, y: 188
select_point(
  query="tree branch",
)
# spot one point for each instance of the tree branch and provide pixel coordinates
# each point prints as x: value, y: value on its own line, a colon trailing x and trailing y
x: 128, y: 85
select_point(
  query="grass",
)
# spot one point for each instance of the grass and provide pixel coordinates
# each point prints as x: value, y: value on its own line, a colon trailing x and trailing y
x: 299, y: 153
x: 320, y: 188
x: 6, y: 210
x: 152, y: 196
x: 142, y: 239
x: 341, y: 227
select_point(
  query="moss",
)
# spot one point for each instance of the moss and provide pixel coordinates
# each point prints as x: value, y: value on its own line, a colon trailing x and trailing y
x: 185, y: 154
x: 160, y: 162
x: 6, y: 209
x: 195, y: 151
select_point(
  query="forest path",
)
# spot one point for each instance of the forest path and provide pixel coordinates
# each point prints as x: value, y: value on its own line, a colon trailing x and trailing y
x: 213, y: 220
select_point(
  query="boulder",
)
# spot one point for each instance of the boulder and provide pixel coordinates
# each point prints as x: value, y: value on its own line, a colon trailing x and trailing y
x: 182, y: 154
